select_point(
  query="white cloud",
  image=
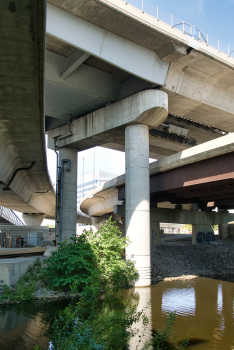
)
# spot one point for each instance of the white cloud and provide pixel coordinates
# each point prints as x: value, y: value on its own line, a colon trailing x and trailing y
x: 200, y: 7
x: 188, y: 8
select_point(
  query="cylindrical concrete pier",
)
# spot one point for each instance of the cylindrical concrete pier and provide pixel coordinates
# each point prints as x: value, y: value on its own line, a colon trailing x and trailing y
x: 68, y: 207
x: 137, y: 206
x: 33, y: 219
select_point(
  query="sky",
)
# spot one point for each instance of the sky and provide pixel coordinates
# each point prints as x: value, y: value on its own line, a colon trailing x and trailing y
x: 214, y: 17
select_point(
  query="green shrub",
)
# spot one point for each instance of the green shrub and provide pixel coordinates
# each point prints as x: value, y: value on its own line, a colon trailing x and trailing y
x: 94, y: 263
x: 101, y: 254
x: 109, y: 246
x: 72, y: 264
x: 98, y: 321
x: 7, y: 293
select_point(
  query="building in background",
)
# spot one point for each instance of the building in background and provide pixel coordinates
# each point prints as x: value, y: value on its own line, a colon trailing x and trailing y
x: 88, y: 181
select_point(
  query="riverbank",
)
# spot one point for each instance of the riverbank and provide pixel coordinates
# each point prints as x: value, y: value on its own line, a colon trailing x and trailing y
x: 174, y: 259
x: 43, y: 294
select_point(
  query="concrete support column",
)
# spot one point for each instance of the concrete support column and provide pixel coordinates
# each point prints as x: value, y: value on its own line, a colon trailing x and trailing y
x: 154, y: 228
x: 33, y: 219
x: 68, y: 204
x: 137, y: 206
x: 157, y: 233
x: 223, y: 229
x: 194, y: 227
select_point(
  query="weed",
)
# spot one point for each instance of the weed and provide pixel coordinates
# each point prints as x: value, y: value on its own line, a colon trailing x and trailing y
x: 165, y: 339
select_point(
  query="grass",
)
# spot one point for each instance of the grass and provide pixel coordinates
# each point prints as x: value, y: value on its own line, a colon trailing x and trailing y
x: 26, y: 286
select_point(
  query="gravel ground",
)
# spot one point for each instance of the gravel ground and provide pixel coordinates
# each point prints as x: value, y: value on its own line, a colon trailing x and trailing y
x: 177, y: 259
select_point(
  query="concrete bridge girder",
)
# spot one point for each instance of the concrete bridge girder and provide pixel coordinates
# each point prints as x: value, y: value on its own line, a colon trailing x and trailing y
x: 199, y: 80
x: 25, y: 182
x: 105, y: 45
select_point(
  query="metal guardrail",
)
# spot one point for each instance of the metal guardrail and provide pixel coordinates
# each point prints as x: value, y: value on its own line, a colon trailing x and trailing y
x: 188, y: 29
x: 10, y: 216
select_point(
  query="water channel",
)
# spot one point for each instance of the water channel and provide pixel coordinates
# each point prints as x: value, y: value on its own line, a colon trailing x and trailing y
x: 204, y: 307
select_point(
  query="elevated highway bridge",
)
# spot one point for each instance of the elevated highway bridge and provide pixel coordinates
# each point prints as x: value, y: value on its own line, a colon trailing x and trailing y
x: 102, y: 73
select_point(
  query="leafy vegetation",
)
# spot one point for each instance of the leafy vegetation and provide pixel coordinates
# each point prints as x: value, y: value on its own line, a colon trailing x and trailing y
x: 72, y: 264
x: 26, y: 285
x: 165, y: 339
x: 91, y: 255
x: 186, y: 228
x: 97, y: 321
x: 100, y: 320
x: 94, y: 264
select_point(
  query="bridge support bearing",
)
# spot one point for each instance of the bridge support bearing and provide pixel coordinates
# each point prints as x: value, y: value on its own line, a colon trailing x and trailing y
x: 68, y: 208
x: 33, y: 219
x: 137, y: 206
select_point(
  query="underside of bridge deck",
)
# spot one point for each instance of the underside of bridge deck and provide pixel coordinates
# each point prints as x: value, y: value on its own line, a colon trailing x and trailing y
x: 209, y: 183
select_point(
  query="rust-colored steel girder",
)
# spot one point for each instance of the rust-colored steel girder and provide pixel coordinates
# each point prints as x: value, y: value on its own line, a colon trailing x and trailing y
x: 205, y: 181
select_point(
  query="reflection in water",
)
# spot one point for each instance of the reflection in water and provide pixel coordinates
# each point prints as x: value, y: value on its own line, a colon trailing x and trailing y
x: 26, y: 324
x: 184, y: 299
x: 204, y: 315
x: 141, y: 297
x: 204, y: 310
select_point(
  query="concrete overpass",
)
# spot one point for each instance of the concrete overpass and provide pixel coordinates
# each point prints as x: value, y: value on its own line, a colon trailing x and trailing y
x: 124, y: 79
x: 180, y: 185
x: 25, y: 185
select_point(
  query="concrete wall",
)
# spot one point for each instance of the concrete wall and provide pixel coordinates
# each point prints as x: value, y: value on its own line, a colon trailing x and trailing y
x: 12, y: 269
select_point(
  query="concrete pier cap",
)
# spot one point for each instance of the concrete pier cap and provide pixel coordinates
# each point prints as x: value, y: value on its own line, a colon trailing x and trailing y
x: 33, y: 219
x: 149, y: 107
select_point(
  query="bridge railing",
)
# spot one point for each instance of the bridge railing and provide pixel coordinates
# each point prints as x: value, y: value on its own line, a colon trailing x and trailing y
x: 187, y: 28
x: 10, y: 216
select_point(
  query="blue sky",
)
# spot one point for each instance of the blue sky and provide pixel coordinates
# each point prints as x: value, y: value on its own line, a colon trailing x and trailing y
x: 214, y: 17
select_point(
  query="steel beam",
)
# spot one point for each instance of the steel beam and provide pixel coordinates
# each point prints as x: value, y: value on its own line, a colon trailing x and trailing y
x: 122, y: 53
x: 73, y: 62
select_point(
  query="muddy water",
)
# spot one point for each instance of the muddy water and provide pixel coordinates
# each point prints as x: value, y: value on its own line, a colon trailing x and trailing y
x: 204, y: 307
